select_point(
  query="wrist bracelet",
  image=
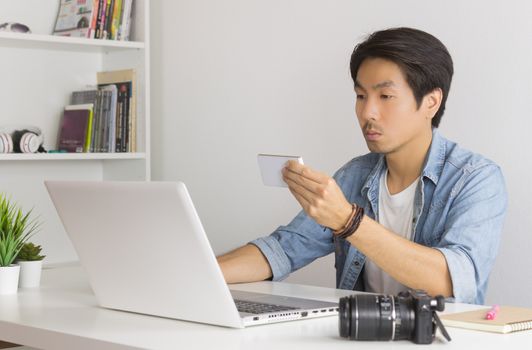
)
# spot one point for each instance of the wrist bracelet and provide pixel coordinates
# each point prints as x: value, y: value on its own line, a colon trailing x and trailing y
x: 348, y: 222
x: 353, y: 224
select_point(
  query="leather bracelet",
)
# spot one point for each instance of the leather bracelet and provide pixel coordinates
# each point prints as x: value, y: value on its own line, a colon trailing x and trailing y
x: 348, y: 222
x: 354, y: 224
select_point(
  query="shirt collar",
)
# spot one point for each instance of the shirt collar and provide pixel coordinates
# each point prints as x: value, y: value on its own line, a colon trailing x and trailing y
x: 374, y: 175
x: 435, y: 159
x: 432, y: 168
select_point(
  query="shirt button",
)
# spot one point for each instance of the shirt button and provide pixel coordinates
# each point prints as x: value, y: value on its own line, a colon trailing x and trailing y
x: 357, y: 263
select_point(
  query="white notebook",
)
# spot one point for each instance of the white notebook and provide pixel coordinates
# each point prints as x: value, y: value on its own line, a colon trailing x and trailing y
x: 509, y: 319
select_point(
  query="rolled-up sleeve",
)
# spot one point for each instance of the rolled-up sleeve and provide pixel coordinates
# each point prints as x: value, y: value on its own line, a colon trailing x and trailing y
x: 295, y: 245
x: 274, y: 253
x: 473, y: 227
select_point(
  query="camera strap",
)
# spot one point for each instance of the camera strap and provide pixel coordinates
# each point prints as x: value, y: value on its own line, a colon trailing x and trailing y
x: 439, y: 325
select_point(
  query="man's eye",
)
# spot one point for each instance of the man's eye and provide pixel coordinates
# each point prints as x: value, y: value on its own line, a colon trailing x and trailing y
x: 360, y: 97
x: 386, y: 97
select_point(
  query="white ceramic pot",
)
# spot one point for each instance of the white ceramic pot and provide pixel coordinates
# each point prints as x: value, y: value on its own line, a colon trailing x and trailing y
x: 30, y: 274
x: 9, y: 279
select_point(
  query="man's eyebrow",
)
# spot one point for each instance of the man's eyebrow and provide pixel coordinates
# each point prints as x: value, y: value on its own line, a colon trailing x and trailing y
x: 386, y: 83
x: 383, y: 84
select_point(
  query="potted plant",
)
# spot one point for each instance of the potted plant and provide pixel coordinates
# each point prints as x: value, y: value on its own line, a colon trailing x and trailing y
x: 15, y: 229
x: 30, y: 261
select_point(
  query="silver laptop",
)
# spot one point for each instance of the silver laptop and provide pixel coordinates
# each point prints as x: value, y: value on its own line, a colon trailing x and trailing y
x: 145, y: 250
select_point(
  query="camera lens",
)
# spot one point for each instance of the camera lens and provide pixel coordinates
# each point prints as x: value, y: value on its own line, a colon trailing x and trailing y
x: 376, y: 317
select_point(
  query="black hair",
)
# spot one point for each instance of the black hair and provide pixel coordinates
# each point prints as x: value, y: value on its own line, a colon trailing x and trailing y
x: 422, y: 58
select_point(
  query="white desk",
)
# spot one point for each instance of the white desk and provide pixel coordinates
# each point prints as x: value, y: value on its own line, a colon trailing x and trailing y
x: 63, y: 314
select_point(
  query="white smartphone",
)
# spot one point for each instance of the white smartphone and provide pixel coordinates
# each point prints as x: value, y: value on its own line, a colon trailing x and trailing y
x: 271, y: 166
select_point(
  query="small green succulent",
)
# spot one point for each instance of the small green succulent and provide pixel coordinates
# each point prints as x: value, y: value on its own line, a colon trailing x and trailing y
x: 30, y: 252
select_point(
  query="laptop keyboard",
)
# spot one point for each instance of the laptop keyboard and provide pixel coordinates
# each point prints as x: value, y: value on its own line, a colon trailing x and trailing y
x: 260, y: 308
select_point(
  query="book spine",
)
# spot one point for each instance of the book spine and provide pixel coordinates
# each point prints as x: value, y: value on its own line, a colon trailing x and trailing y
x: 108, y: 19
x: 133, y: 120
x: 101, y: 8
x: 88, y: 134
x: 105, y: 125
x: 94, y: 120
x: 116, y: 19
x: 125, y: 118
x: 124, y: 21
x: 120, y: 20
x: 94, y: 18
x: 101, y: 116
x: 129, y: 22
x: 118, y: 131
x: 112, y: 124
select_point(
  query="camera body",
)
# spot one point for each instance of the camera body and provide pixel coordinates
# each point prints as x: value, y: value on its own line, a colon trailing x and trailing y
x: 409, y: 315
x: 423, y: 305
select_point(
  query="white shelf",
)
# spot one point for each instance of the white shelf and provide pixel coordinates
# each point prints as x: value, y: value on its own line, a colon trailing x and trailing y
x: 71, y: 156
x: 37, y: 41
x: 39, y: 73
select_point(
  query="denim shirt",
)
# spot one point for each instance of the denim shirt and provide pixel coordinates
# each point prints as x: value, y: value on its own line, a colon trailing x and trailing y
x: 459, y: 208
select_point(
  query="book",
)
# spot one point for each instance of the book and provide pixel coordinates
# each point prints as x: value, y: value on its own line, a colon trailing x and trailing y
x: 110, y: 118
x: 98, y: 111
x: 85, y: 97
x: 117, y: 12
x: 74, y: 18
x: 92, y: 29
x: 75, y: 128
x: 125, y: 20
x: 509, y: 319
x: 125, y: 82
x: 101, y: 10
x: 108, y: 19
x: 124, y: 91
x: 102, y: 128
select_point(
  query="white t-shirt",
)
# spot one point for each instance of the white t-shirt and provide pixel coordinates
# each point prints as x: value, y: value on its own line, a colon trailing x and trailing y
x: 395, y: 213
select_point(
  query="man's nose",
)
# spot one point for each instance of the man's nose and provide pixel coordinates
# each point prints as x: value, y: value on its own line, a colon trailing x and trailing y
x: 369, y: 109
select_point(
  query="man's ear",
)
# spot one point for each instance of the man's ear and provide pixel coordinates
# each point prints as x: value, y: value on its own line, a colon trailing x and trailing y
x: 433, y: 101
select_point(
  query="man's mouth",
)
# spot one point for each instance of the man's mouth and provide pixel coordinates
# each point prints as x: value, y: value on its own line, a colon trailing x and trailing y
x: 372, y: 135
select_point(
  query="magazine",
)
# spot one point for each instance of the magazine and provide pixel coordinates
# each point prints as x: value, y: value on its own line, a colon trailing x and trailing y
x: 75, y: 18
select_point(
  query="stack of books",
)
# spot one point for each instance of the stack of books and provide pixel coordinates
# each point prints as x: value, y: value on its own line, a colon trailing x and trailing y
x: 102, y: 119
x: 98, y: 19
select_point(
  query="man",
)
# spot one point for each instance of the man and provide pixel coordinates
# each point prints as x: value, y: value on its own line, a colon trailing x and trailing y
x: 417, y: 212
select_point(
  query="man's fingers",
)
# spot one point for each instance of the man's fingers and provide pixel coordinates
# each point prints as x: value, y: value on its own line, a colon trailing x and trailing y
x: 304, y: 171
x: 302, y: 201
x: 309, y: 185
x: 300, y: 191
x: 303, y: 175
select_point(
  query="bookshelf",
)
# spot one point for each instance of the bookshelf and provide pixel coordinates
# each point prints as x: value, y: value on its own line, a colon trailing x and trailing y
x: 39, y: 71
x: 71, y: 156
x: 50, y: 42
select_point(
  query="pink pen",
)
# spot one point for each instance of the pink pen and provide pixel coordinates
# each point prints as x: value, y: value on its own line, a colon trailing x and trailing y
x: 492, y: 313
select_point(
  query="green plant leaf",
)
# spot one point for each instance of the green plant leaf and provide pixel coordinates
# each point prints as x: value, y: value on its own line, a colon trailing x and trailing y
x: 15, y: 229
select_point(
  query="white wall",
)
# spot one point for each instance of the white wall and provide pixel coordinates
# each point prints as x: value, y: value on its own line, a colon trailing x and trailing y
x: 235, y: 78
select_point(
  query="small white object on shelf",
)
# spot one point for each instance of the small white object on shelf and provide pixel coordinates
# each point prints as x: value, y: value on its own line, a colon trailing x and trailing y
x: 30, y: 274
x: 9, y: 279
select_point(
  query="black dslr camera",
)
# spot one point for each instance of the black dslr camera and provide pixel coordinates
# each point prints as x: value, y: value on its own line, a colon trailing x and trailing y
x: 409, y: 315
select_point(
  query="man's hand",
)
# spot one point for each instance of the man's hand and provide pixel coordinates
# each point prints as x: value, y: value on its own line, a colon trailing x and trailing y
x: 319, y: 195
